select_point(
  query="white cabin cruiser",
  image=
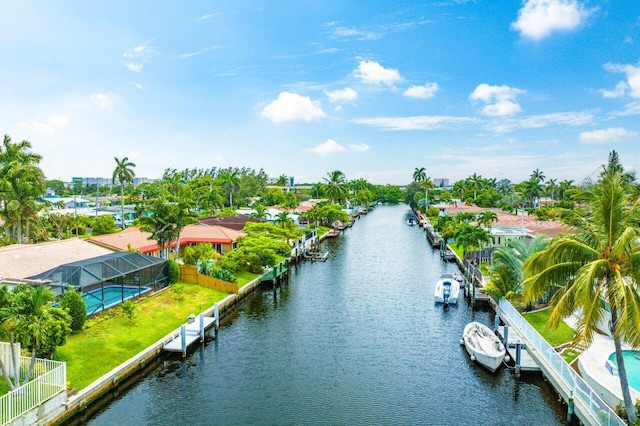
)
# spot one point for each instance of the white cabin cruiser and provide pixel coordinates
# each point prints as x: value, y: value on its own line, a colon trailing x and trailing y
x: 447, y: 290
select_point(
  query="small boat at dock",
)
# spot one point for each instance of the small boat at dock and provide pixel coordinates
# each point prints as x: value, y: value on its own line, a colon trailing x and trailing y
x: 411, y: 221
x: 447, y: 290
x: 483, y: 346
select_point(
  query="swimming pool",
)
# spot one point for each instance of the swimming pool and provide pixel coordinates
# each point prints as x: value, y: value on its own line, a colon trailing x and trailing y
x: 113, y: 295
x: 631, y: 364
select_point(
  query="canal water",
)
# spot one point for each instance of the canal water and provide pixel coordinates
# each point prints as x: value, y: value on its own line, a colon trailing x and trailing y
x: 355, y: 340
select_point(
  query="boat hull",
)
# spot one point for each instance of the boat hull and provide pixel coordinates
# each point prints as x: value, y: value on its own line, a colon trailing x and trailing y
x: 483, y: 346
x: 447, y: 290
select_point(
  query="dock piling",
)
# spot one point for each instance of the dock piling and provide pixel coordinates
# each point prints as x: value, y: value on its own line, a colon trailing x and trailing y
x: 518, y: 356
x: 183, y: 340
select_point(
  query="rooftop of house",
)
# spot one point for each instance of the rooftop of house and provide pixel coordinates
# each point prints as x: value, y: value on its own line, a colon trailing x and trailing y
x: 18, y: 261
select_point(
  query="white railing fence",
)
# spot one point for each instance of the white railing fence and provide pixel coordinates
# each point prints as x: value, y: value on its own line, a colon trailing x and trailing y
x: 581, y: 390
x: 50, y: 379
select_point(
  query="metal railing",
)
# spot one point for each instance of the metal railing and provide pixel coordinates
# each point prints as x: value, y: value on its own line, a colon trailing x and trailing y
x: 50, y: 380
x: 581, y: 390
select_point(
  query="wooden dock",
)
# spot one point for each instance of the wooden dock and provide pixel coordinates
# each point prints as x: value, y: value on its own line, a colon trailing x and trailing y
x: 475, y: 293
x: 527, y: 363
x: 189, y: 333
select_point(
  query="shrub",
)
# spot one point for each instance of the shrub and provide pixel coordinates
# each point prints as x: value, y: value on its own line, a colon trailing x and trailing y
x: 73, y: 303
x: 103, y: 225
x: 128, y: 309
x: 223, y: 274
x: 174, y: 271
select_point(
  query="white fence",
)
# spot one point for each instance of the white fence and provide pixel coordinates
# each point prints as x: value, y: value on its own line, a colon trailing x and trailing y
x: 50, y: 379
x: 581, y: 390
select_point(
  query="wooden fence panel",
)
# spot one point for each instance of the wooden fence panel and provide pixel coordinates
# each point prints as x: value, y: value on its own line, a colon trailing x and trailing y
x: 189, y: 274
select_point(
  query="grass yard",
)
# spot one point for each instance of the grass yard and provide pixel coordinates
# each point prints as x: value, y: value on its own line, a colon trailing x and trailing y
x: 555, y: 337
x: 245, y: 277
x: 111, y: 338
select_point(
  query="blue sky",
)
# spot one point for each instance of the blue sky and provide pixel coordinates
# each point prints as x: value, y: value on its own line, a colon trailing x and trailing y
x: 372, y: 88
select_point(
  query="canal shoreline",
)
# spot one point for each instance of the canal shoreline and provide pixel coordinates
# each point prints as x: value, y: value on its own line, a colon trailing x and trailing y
x: 79, y: 402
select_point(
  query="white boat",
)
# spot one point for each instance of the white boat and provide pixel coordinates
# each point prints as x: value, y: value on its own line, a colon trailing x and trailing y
x: 411, y: 221
x: 483, y: 346
x: 447, y: 290
x: 458, y: 277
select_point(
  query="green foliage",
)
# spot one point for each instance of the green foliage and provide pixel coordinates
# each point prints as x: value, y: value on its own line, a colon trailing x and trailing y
x: 128, y: 308
x: 178, y: 290
x: 622, y: 412
x: 223, y: 274
x: 37, y: 325
x: 104, y: 224
x: 198, y: 253
x: 433, y: 212
x: 73, y: 303
x: 390, y: 194
x: 272, y: 197
x: 174, y: 271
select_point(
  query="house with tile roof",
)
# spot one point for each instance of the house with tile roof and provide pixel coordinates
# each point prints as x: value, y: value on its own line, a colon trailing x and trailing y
x: 134, y: 239
x: 18, y: 261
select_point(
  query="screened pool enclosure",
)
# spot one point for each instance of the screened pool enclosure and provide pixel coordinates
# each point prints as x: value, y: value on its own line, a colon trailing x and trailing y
x: 108, y: 280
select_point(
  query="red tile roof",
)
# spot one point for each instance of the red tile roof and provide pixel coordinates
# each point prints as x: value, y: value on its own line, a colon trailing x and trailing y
x: 136, y: 239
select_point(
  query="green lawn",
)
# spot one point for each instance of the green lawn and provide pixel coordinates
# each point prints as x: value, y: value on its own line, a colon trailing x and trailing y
x: 111, y: 338
x: 555, y: 337
x: 457, y: 248
x: 245, y: 277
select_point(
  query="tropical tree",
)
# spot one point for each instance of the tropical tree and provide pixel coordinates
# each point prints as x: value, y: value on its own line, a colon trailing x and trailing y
x: 123, y: 173
x: 336, y: 187
x: 38, y: 325
x: 282, y: 181
x: 283, y: 220
x: 551, y: 187
x: 506, y: 274
x: 476, y: 183
x: 230, y: 181
x: 487, y: 218
x: 22, y: 184
x: 419, y: 174
x: 596, y: 269
x: 537, y: 175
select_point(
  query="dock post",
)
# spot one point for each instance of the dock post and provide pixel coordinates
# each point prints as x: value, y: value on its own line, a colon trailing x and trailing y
x: 496, y: 322
x: 216, y: 315
x: 201, y: 328
x: 183, y: 339
x: 473, y: 290
x: 505, y: 331
x: 518, y: 350
x: 570, y: 408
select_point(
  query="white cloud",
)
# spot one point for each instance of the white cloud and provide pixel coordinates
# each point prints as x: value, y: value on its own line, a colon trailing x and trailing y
x: 138, y: 56
x: 544, y: 120
x: 500, y: 99
x: 291, y: 107
x: 135, y: 67
x: 421, y: 122
x: 51, y: 126
x: 539, y: 18
x: 103, y: 100
x: 429, y: 90
x: 373, y: 73
x: 619, y: 91
x: 329, y: 147
x: 612, y: 134
x: 633, y: 79
x: 632, y: 108
x: 345, y: 95
x: 139, y: 86
x: 361, y: 147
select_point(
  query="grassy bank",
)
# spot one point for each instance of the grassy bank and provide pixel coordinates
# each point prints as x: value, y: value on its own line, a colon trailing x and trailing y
x: 556, y: 337
x: 112, y: 338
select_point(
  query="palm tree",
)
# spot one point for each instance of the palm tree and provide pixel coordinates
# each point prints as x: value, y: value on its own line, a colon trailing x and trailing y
x: 476, y: 183
x: 595, y: 270
x: 283, y: 219
x: 336, y: 186
x: 230, y: 181
x: 487, y: 218
x: 419, y: 174
x: 123, y: 173
x: 537, y: 175
x: 551, y: 187
x: 282, y: 181
x: 506, y: 272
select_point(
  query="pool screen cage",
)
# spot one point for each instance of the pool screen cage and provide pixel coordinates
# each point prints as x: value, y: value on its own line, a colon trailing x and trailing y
x: 128, y: 270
